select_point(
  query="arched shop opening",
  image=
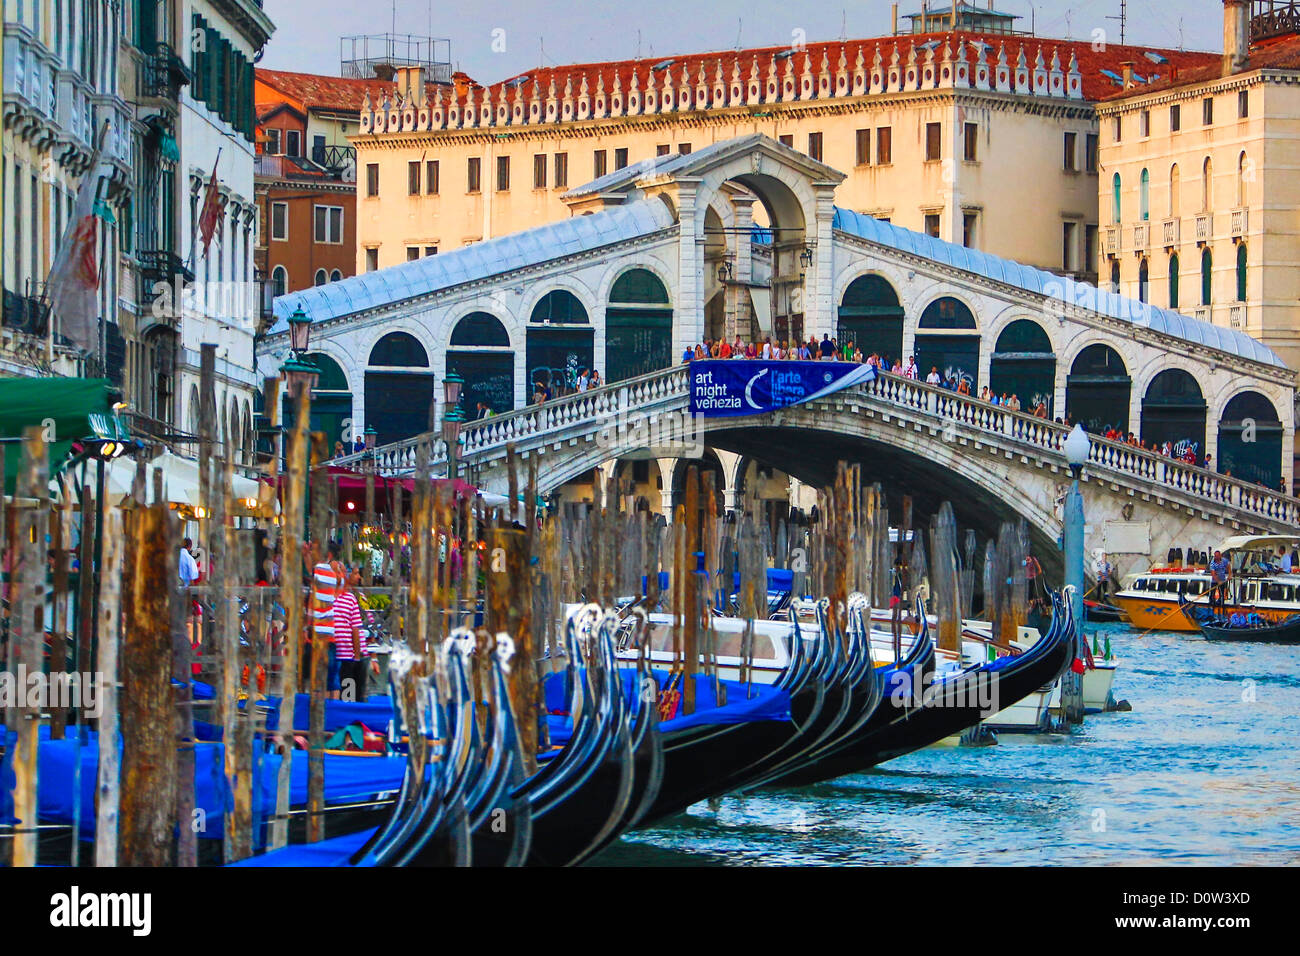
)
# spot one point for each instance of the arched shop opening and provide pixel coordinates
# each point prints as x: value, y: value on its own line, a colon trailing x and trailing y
x: 559, y: 342
x: 1250, y: 440
x: 1023, y: 364
x: 331, y: 403
x: 638, y: 326
x: 399, y: 388
x: 872, y: 318
x: 480, y: 353
x: 947, y: 339
x: 1097, y: 390
x: 1173, y: 410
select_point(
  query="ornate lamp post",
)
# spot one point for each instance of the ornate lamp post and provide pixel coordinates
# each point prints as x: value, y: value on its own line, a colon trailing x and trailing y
x: 299, y: 331
x: 451, y: 422
x: 1077, y: 447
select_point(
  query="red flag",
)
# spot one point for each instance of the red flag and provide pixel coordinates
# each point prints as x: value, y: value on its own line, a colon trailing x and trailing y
x: 210, y: 220
x: 73, y: 282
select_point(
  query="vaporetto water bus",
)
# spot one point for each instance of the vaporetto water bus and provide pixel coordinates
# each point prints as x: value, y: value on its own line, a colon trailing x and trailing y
x: 1256, y: 583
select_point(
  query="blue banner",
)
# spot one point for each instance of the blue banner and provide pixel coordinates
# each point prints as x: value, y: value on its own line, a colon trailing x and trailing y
x: 727, y: 387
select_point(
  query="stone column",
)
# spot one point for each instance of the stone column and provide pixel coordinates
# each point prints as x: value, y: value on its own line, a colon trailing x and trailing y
x: 688, y: 319
x: 666, y: 467
x: 819, y: 306
x: 738, y: 303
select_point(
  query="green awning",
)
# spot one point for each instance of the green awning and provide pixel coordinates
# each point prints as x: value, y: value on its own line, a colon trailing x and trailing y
x: 167, y: 146
x: 60, y: 406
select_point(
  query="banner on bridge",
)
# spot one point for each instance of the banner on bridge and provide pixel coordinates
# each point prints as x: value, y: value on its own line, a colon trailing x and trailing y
x: 729, y: 387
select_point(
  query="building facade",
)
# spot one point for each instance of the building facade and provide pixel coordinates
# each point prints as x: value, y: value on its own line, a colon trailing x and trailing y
x: 956, y: 134
x: 1200, y: 199
x: 306, y: 176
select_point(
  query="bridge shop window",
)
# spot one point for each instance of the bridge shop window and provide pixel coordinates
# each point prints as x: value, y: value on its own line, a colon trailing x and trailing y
x: 399, y: 387
x: 560, y: 343
x: 638, y: 326
x: 947, y: 339
x: 481, y: 354
x: 1250, y: 440
x: 1024, y: 365
x: 1097, y: 390
x: 1173, y: 410
x: 872, y: 318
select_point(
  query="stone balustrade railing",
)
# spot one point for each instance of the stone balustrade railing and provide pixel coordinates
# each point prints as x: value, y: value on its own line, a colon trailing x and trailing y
x: 667, y: 389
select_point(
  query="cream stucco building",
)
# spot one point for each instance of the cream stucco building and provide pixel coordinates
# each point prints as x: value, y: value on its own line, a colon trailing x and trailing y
x: 978, y: 138
x: 1199, y: 195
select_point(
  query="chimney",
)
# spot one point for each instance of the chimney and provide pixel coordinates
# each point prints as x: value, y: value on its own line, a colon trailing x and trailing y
x: 410, y: 83
x: 1127, y: 67
x: 894, y: 11
x: 1236, y: 35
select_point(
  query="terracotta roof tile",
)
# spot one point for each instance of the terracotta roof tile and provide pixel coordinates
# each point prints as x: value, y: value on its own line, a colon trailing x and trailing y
x: 1096, y: 85
x: 1278, y: 53
x: 311, y: 91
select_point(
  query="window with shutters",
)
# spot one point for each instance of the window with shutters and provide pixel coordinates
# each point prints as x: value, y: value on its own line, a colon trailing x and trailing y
x: 539, y: 171
x: 279, y: 220
x: 971, y: 143
x: 413, y: 178
x: 328, y: 224
x: 620, y: 158
x: 503, y: 173
x: 884, y: 146
x: 372, y: 179
x: 815, y: 146
x: 862, y: 152
x: 598, y: 161
x: 473, y: 174
x: 431, y: 177
x: 933, y: 142
x: 561, y: 170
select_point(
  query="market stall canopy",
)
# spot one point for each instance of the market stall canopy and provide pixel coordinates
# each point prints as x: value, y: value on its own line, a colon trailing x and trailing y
x: 180, y: 478
x: 60, y: 406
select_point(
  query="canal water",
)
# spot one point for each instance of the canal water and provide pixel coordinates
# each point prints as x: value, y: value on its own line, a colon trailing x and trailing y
x: 1203, y: 770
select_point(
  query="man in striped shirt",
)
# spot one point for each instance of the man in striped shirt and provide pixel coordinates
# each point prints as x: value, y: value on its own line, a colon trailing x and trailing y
x: 326, y: 581
x: 349, y: 643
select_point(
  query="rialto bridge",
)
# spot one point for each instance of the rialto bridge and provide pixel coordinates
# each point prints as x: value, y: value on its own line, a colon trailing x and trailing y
x: 743, y: 237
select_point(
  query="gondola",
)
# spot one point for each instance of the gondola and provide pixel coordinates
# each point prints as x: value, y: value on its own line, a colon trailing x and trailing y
x: 951, y: 706
x: 897, y: 685
x: 1243, y: 628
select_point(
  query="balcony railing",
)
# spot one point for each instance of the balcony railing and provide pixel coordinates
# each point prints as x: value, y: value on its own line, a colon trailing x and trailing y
x: 338, y: 161
x: 1240, y: 222
x: 1204, y: 227
x: 162, y: 265
x: 1237, y: 316
x: 1169, y: 229
x: 1112, y: 240
x: 25, y: 313
x: 1278, y: 18
x: 1141, y: 237
x: 164, y: 73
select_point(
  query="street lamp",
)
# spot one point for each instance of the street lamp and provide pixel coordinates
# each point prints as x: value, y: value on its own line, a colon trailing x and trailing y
x: 371, y: 433
x: 451, y: 386
x: 451, y: 422
x: 298, y: 369
x: 1077, y: 447
x: 299, y: 331
x: 724, y: 271
x: 806, y: 257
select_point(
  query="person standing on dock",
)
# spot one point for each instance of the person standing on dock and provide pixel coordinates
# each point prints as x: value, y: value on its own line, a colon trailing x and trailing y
x: 326, y: 581
x: 348, y: 643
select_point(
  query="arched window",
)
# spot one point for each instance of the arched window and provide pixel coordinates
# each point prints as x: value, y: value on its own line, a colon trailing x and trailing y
x: 1114, y: 276
x: 399, y: 349
x: 1097, y: 390
x: 1175, y: 188
x: 1173, y: 410
x: 1144, y: 195
x: 280, y: 280
x: 1207, y: 276
x: 480, y: 328
x: 1144, y: 274
x: 321, y: 277
x: 1207, y: 185
x: 947, y: 313
x: 1023, y: 364
x: 1115, y: 199
x: 331, y: 400
x: 480, y: 353
x: 1173, y: 281
x: 638, y: 326
x: 1241, y: 272
x: 335, y: 276
x: 872, y: 318
x: 559, y: 307
x: 947, y: 342
x: 1242, y: 168
x: 1250, y: 440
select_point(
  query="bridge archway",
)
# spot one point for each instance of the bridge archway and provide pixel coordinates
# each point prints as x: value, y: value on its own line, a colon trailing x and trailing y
x: 710, y: 462
x: 638, y: 326
x: 1024, y: 365
x: 559, y: 342
x: 1097, y: 390
x: 399, y: 387
x: 1173, y: 410
x: 947, y: 338
x: 479, y: 351
x: 1250, y: 440
x: 871, y: 317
